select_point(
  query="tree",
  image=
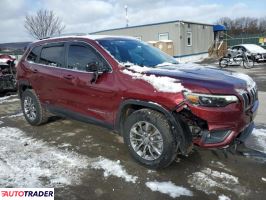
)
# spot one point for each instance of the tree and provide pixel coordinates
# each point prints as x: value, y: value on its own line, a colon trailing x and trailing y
x: 246, y: 25
x: 44, y: 24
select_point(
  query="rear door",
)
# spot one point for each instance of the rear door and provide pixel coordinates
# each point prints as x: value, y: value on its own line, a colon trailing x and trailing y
x: 49, y: 69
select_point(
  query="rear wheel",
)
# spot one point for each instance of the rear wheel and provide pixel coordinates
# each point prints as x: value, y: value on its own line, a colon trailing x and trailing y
x: 32, y: 109
x: 149, y: 138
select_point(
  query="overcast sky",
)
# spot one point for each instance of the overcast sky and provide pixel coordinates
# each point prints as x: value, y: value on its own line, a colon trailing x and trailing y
x: 95, y: 15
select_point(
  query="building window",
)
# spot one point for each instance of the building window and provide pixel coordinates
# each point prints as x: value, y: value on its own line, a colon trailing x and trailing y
x: 163, y: 36
x: 188, y: 26
x: 203, y: 26
x: 138, y: 37
x: 189, y: 38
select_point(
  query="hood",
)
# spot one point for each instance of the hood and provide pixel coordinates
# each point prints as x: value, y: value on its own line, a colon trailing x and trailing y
x: 196, y: 77
x: 254, y: 48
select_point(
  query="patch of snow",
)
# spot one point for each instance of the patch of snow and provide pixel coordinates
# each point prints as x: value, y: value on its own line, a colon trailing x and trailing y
x: 165, y: 64
x: 208, y: 180
x: 64, y: 145
x: 70, y: 134
x: 13, y: 116
x: 169, y: 188
x: 263, y: 179
x: 223, y: 197
x: 112, y: 168
x: 4, y: 60
x: 136, y: 68
x: 1, y: 122
x: 26, y: 162
x: 150, y: 171
x: 162, y: 84
x: 7, y: 99
x: 260, y: 137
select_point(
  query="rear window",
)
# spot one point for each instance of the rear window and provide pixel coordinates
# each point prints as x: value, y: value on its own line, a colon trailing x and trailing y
x: 34, y: 54
x: 53, y: 56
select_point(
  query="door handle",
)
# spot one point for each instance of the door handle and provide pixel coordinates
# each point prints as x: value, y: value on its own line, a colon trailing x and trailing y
x: 68, y: 77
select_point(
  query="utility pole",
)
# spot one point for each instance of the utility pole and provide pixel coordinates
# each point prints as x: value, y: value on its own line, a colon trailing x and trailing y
x: 126, y: 16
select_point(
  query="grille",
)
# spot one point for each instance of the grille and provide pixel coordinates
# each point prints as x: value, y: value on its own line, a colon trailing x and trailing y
x: 249, y: 97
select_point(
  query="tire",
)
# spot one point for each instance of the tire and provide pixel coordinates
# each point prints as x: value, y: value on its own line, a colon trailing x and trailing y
x: 223, y: 62
x: 156, y: 155
x: 32, y: 109
x: 248, y: 63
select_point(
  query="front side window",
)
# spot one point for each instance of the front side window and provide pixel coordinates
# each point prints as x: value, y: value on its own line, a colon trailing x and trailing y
x: 33, y: 55
x: 189, y: 39
x: 53, y: 56
x: 80, y: 57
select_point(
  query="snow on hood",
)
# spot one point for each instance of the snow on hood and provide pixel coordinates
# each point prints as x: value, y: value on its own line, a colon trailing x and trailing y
x: 253, y: 48
x: 249, y: 81
x: 160, y: 83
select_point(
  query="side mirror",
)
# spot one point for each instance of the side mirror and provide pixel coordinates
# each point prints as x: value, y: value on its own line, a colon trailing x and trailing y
x: 92, y: 66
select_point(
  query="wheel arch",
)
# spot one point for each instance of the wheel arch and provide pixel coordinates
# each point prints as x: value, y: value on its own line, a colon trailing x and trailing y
x: 131, y: 105
x: 22, y: 86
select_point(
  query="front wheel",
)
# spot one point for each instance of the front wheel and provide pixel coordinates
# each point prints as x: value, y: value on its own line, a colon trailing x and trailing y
x: 148, y: 135
x: 223, y: 62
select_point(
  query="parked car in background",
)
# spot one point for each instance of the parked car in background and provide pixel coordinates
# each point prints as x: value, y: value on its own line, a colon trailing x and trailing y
x: 256, y: 52
x: 159, y: 106
x: 7, y: 73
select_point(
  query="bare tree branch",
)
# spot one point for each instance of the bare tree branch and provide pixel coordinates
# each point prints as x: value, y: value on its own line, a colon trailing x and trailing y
x: 246, y: 25
x: 44, y: 24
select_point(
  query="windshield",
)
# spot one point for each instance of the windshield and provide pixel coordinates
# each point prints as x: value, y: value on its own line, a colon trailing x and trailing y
x: 136, y: 52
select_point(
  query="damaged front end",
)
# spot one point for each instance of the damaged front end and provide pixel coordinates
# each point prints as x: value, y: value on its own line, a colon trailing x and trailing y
x: 7, y: 76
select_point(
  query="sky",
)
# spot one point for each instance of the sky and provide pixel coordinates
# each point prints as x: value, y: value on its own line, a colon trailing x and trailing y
x: 85, y: 16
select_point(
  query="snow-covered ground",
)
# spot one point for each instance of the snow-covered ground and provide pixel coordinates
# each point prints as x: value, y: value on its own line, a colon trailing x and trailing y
x: 27, y: 162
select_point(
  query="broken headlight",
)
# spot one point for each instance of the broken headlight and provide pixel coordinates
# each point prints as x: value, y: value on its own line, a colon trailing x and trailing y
x: 210, y: 100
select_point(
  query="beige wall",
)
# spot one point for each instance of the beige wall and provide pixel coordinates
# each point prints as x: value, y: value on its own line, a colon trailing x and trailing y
x: 201, y: 38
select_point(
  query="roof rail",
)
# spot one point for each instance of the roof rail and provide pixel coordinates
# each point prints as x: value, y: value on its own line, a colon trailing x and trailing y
x: 65, y: 34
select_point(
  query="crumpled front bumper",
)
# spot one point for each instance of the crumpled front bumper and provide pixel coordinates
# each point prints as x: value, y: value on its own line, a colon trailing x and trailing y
x: 225, y: 127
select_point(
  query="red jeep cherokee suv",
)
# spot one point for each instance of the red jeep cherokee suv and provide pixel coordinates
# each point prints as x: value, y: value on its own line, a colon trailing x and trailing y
x: 159, y: 106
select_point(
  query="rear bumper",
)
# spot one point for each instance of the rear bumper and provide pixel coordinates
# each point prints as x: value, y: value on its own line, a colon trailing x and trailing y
x: 224, y: 127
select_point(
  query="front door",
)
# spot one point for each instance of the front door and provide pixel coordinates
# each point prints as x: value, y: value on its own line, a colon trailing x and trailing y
x: 95, y: 99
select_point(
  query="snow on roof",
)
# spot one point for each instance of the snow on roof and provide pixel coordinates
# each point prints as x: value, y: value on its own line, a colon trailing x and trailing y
x: 253, y: 48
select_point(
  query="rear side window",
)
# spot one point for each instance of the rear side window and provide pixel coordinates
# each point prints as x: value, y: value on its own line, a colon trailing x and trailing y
x: 53, y: 56
x: 80, y: 56
x: 34, y: 54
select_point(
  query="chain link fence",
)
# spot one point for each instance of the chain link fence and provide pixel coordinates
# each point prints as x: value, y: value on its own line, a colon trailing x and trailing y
x: 259, y: 39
